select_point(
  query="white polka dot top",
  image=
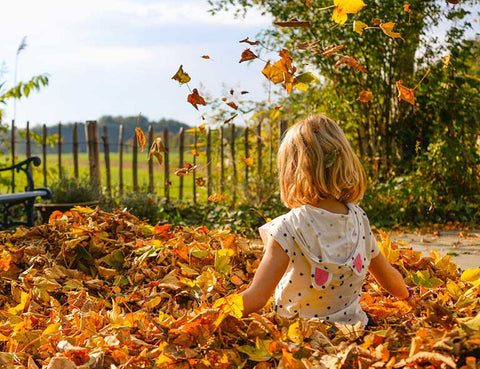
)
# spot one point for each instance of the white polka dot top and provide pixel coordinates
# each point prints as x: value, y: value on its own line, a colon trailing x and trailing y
x: 329, y: 257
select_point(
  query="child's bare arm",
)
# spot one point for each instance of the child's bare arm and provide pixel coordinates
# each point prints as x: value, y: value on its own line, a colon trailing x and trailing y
x: 269, y: 272
x: 388, y: 277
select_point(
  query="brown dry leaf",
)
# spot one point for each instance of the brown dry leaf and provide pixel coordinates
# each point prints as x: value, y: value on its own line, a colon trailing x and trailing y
x: 247, y: 54
x: 293, y: 22
x: 206, y: 57
x: 405, y: 93
x: 230, y: 119
x: 157, y: 148
x: 185, y: 170
x: 247, y: 41
x: 195, y: 99
x: 232, y: 105
x: 330, y: 50
x: 351, y: 62
x: 200, y: 181
x: 141, y: 138
x: 309, y: 3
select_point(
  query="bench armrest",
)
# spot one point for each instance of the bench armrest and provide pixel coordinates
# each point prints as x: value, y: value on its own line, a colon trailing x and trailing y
x: 24, y: 166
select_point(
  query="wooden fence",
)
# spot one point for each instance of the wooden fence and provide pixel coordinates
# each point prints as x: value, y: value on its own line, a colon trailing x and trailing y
x: 232, y: 154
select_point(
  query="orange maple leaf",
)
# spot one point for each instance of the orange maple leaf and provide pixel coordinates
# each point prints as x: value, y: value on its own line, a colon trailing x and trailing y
x: 247, y: 54
x: 351, y: 62
x: 248, y: 161
x: 141, y: 138
x: 365, y: 96
x: 195, y: 99
x: 407, y: 94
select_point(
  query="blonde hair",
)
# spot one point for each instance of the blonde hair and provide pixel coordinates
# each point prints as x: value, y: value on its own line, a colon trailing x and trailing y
x: 316, y: 162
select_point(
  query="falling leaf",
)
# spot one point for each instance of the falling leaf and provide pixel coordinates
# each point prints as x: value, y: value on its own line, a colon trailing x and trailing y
x: 446, y: 61
x: 359, y: 26
x: 232, y: 105
x: 185, y: 170
x: 365, y: 96
x: 273, y: 73
x: 344, y: 7
x: 181, y: 76
x: 293, y: 22
x: 309, y: 3
x: 243, y: 92
x: 303, y: 80
x: 206, y: 57
x: 248, y: 161
x: 387, y: 29
x: 156, y: 148
x: 351, y: 62
x: 406, y: 7
x: 376, y: 21
x: 247, y: 41
x: 216, y: 198
x: 247, y: 54
x: 195, y: 99
x: 330, y: 50
x: 200, y: 181
x: 407, y: 94
x: 195, y: 152
x: 230, y: 119
x: 141, y: 138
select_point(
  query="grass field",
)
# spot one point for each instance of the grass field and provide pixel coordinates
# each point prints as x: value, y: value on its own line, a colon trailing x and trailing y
x: 158, y: 172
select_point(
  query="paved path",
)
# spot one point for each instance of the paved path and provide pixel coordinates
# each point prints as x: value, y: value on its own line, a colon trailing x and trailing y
x: 464, y: 246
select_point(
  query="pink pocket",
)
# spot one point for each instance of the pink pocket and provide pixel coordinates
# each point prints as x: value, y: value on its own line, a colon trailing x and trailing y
x: 358, y: 263
x: 321, y: 276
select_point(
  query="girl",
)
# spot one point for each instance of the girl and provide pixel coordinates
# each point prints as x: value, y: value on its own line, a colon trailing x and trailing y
x: 317, y: 255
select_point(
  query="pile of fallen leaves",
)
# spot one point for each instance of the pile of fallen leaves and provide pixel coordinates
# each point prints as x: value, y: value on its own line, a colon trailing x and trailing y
x: 103, y: 290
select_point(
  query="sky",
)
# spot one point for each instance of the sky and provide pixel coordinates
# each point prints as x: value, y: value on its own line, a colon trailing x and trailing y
x: 117, y: 57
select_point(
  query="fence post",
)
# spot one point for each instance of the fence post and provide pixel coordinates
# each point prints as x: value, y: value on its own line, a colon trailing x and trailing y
x: 13, y: 153
x: 234, y: 163
x: 93, y: 149
x: 181, y: 145
x: 135, y: 163
x: 150, y: 162
x: 209, y: 162
x: 106, y: 152
x: 259, y: 162
x: 246, y: 157
x: 222, y: 164
x: 28, y: 144
x: 75, y: 149
x: 59, y: 143
x: 44, y: 153
x: 120, y: 161
x: 167, y: 165
x: 194, y: 174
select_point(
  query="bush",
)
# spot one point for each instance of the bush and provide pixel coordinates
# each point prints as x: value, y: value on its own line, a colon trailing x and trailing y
x: 72, y: 190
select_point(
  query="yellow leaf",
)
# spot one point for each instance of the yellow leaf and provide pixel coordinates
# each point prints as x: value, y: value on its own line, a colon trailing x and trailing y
x: 273, y: 73
x: 294, y: 332
x: 387, y: 28
x: 141, y: 138
x: 359, y: 26
x: 365, y: 96
x: 392, y: 255
x: 53, y: 328
x: 181, y: 76
x: 150, y: 304
x: 24, y: 301
x: 231, y: 305
x: 472, y: 276
x: 344, y: 7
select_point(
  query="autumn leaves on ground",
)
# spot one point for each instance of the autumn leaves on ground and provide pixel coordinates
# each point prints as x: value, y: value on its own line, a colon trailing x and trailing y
x: 103, y: 290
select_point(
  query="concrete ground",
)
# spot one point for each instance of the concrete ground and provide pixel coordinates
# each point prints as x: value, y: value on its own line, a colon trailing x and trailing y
x: 464, y: 246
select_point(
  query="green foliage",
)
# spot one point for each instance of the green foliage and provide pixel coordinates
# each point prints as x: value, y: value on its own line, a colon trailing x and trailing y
x: 71, y: 190
x: 22, y: 89
x: 144, y: 205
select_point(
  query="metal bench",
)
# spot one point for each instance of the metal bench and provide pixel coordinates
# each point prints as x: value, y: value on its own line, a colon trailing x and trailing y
x: 26, y: 199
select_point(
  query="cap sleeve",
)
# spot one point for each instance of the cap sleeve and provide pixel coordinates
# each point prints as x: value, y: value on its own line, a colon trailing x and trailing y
x: 374, y: 249
x: 281, y: 231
